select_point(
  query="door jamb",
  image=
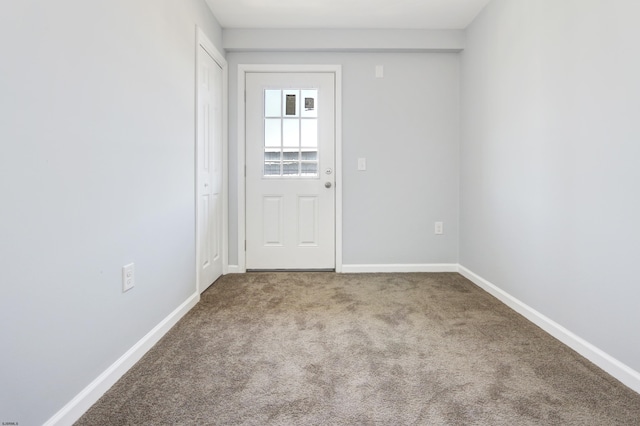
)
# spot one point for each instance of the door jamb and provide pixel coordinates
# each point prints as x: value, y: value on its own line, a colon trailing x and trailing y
x: 203, y: 41
x: 243, y: 69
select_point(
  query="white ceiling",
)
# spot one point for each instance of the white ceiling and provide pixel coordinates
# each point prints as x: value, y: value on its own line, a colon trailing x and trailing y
x: 355, y: 14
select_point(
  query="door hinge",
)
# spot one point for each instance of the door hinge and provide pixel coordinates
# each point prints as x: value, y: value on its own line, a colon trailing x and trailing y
x: 245, y: 245
x: 245, y: 171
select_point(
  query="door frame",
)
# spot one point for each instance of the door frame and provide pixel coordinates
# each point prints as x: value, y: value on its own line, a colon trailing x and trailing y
x: 243, y: 69
x: 202, y: 41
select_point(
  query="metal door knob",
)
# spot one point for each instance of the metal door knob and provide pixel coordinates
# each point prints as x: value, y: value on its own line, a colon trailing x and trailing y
x: 327, y: 185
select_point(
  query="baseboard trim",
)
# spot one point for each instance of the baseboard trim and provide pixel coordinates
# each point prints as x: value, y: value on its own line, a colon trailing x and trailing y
x: 625, y: 374
x: 234, y: 269
x: 390, y: 268
x: 89, y: 395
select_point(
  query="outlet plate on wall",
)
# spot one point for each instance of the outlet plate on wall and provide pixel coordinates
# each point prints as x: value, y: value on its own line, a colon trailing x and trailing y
x: 439, y: 228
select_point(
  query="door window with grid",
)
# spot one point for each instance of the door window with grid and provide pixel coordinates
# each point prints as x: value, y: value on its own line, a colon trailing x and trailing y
x: 291, y: 133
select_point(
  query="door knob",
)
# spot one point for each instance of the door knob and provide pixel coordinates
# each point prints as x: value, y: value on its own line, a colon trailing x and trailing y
x: 327, y: 185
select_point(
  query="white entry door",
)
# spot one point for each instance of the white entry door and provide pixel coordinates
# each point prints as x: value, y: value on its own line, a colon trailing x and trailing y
x: 290, y: 170
x: 209, y: 166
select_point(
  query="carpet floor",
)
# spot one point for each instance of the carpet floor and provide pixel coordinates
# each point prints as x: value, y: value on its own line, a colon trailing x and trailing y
x: 362, y: 349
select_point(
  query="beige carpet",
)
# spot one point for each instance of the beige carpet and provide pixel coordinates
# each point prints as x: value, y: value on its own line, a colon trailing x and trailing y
x: 373, y: 349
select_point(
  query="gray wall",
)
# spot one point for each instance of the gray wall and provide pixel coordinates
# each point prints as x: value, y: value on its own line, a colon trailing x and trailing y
x: 406, y: 125
x: 96, y: 171
x: 549, y: 161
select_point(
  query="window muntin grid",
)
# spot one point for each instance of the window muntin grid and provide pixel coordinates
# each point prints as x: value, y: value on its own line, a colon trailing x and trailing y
x: 291, y: 133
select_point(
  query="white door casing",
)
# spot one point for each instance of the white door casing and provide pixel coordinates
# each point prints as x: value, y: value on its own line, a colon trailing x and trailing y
x: 290, y: 171
x: 210, y: 183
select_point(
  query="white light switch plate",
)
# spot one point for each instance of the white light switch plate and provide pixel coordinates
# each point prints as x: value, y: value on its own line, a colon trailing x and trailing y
x: 379, y: 71
x: 128, y: 277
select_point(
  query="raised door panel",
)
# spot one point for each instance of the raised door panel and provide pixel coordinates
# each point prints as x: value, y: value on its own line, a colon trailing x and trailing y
x: 308, y: 225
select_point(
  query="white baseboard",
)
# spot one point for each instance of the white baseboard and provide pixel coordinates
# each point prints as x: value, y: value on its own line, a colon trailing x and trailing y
x: 234, y: 269
x: 615, y: 368
x: 89, y: 395
x: 427, y: 267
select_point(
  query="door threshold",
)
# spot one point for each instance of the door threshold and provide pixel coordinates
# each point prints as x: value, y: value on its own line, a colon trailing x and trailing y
x: 292, y: 270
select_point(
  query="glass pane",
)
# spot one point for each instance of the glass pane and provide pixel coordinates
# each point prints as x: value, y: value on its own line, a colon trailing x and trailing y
x: 310, y: 155
x: 291, y: 130
x: 309, y: 101
x: 272, y: 132
x: 309, y: 130
x: 272, y: 106
x: 291, y: 156
x: 272, y: 169
x: 272, y: 156
x: 291, y: 168
x: 309, y: 169
x: 290, y: 103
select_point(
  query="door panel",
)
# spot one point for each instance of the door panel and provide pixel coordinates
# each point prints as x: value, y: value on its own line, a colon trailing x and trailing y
x: 209, y: 163
x: 273, y: 221
x: 308, y: 221
x: 290, y: 158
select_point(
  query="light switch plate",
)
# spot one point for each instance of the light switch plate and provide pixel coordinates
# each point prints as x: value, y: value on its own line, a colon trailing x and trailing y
x: 128, y: 277
x: 379, y: 71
